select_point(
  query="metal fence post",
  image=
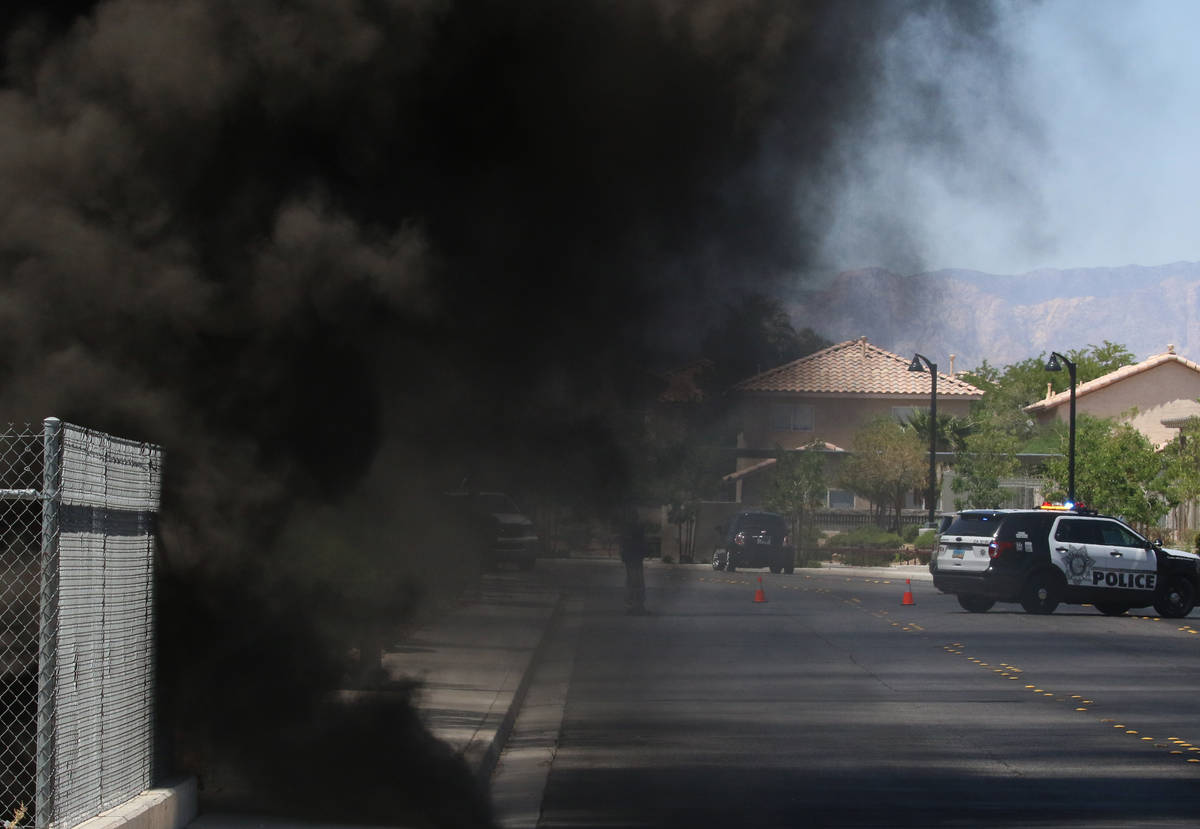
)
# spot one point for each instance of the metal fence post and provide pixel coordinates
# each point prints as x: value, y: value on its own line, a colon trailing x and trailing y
x: 48, y: 621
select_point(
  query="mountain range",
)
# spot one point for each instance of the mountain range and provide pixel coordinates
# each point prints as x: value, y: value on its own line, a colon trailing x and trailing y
x: 1004, y: 319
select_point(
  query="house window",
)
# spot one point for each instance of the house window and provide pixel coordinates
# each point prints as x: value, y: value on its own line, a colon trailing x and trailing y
x: 841, y: 499
x: 791, y: 417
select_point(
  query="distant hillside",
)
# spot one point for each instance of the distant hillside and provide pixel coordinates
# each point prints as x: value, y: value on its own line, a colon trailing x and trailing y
x: 1002, y: 319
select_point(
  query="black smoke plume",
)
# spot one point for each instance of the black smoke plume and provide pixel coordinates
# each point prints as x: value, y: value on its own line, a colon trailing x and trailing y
x: 336, y: 256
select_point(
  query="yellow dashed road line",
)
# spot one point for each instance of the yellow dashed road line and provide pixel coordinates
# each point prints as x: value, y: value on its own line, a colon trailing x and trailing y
x: 1174, y: 745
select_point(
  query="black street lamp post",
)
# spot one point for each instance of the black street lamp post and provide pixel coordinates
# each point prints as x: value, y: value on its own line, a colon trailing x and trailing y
x: 1053, y: 364
x: 915, y: 365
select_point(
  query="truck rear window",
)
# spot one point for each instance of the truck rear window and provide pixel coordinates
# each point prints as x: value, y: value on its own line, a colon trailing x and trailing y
x: 981, y: 525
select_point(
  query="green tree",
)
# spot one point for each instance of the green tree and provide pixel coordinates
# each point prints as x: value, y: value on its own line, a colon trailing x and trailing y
x: 1096, y: 361
x: 987, y: 456
x: 1117, y: 471
x: 797, y: 490
x: 1182, y: 458
x: 1009, y: 390
x: 887, y: 464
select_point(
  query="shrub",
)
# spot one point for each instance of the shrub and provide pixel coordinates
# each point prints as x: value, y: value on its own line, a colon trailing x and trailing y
x: 909, y: 532
x: 867, y: 557
x: 926, y: 541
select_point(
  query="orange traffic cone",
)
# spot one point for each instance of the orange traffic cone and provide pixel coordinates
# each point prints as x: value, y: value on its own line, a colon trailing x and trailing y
x: 759, y: 595
x: 908, y: 596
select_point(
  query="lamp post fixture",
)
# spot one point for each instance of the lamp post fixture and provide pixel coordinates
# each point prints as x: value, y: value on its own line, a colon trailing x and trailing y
x: 915, y: 365
x: 1055, y: 363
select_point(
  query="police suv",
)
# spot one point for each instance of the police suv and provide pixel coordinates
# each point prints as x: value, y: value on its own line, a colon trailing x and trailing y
x: 1055, y: 554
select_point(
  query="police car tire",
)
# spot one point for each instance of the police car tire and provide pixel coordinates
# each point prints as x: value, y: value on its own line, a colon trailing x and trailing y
x: 1042, y: 592
x: 1177, y: 599
x: 789, y: 568
x: 1109, y: 609
x: 718, y: 562
x: 973, y: 603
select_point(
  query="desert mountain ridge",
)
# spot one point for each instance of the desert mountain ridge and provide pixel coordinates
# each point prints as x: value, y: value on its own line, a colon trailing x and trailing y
x: 1003, y: 319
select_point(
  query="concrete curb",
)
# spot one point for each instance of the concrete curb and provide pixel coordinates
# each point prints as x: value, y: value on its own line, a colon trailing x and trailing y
x: 491, y: 754
x: 900, y: 572
x: 172, y: 806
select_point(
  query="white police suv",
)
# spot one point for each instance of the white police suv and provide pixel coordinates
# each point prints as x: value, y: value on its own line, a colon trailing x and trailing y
x: 1052, y: 555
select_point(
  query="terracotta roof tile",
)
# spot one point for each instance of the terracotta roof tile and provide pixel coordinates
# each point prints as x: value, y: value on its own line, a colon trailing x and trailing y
x: 855, y: 367
x: 1056, y: 400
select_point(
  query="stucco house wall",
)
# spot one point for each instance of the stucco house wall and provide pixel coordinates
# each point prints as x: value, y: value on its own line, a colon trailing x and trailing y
x: 836, y: 418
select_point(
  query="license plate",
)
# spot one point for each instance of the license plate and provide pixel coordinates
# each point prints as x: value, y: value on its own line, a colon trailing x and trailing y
x: 764, y: 539
x: 958, y: 552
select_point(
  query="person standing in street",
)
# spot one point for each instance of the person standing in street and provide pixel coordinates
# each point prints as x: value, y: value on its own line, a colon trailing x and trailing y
x: 633, y: 554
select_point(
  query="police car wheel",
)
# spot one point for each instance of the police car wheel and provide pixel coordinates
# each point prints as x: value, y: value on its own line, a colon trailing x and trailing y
x: 975, y: 604
x: 1042, y: 592
x: 1177, y: 600
x: 718, y: 562
x: 1109, y: 609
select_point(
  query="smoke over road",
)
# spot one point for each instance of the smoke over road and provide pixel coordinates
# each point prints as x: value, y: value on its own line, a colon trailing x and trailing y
x: 335, y: 255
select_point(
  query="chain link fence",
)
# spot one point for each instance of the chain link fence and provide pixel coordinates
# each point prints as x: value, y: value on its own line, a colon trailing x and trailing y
x: 77, y: 510
x: 21, y: 480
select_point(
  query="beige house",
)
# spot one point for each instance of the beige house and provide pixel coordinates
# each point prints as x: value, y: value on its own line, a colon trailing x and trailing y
x: 825, y: 398
x: 1156, y: 395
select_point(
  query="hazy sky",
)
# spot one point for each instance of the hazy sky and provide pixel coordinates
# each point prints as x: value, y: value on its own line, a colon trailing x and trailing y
x: 1074, y: 143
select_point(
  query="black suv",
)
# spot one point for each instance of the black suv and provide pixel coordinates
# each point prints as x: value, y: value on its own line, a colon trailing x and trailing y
x: 756, y: 539
x: 507, y: 535
x: 1042, y: 557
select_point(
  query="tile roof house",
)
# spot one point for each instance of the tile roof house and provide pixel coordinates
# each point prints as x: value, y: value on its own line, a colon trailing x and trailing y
x: 827, y: 397
x: 1158, y: 394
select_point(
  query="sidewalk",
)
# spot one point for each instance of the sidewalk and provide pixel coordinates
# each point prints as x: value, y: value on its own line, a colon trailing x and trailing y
x: 473, y: 664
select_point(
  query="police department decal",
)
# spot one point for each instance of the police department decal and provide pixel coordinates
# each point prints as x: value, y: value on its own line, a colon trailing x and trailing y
x: 1077, y: 564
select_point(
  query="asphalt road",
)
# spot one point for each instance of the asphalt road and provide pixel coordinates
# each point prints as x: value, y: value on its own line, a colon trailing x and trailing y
x: 834, y: 704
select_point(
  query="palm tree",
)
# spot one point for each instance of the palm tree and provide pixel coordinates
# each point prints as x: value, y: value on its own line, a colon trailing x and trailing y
x: 952, y: 431
x: 951, y: 434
